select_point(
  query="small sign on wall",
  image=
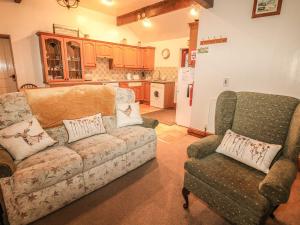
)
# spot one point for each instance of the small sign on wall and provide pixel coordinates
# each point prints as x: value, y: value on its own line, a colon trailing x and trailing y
x: 193, y: 55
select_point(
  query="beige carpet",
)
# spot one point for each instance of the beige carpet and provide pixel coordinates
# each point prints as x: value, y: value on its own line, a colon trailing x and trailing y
x: 151, y: 195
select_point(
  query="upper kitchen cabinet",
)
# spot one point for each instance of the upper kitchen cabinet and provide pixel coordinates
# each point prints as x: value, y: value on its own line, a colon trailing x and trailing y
x: 89, y: 54
x: 104, y: 50
x: 139, y: 59
x: 148, y: 58
x: 130, y: 57
x: 74, y: 62
x: 52, y: 53
x: 193, y: 41
x: 118, y: 53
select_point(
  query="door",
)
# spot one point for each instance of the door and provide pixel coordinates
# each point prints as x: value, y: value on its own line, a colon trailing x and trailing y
x: 130, y: 57
x: 147, y: 92
x: 74, y: 65
x: 104, y: 50
x: 53, y: 57
x: 89, y: 54
x: 193, y: 41
x: 118, y: 53
x: 148, y: 56
x: 7, y: 69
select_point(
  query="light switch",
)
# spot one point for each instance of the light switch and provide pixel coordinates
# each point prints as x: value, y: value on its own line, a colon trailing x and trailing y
x: 226, y: 82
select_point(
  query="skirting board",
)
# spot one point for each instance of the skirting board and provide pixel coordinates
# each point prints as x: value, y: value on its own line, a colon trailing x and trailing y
x: 198, y: 133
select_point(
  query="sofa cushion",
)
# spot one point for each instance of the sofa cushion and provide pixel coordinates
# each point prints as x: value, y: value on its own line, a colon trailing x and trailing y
x: 45, y: 169
x: 13, y: 109
x: 220, y: 172
x: 98, y: 149
x: 134, y: 136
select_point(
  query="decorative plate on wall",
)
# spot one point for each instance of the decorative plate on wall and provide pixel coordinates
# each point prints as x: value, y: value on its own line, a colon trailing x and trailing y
x: 165, y: 53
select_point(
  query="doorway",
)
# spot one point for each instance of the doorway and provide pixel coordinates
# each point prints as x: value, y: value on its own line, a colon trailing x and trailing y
x: 8, y: 79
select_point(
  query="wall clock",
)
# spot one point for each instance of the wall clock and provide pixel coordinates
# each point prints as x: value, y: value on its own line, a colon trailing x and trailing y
x: 165, y: 53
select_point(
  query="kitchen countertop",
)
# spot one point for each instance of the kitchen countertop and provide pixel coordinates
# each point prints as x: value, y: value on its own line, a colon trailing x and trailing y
x: 120, y: 81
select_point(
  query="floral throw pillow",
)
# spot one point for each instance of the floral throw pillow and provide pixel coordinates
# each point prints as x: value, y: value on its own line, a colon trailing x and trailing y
x: 84, y: 127
x: 128, y: 114
x: 253, y: 153
x: 25, y: 138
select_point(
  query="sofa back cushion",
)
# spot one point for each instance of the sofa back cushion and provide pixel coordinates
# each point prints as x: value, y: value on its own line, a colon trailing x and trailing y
x: 13, y: 109
x: 264, y: 117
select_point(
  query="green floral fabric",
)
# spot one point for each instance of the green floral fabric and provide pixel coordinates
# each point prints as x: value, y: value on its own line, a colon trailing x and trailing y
x: 239, y: 193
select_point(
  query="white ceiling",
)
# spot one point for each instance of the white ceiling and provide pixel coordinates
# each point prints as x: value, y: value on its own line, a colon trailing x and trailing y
x: 164, y: 27
x: 119, y: 7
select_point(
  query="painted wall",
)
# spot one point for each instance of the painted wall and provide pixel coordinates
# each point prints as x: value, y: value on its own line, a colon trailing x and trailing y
x: 262, y: 55
x: 23, y: 20
x: 174, y: 45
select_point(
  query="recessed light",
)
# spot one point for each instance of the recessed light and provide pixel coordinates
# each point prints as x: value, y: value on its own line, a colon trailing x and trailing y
x: 147, y: 23
x: 107, y: 2
x: 194, y: 12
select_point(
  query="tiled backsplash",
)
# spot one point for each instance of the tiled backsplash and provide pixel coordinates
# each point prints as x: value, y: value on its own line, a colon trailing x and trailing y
x: 102, y: 72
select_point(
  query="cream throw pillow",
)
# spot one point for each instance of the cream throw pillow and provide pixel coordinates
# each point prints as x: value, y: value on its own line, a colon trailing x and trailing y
x: 128, y: 114
x: 25, y: 139
x: 84, y: 127
x: 256, y: 154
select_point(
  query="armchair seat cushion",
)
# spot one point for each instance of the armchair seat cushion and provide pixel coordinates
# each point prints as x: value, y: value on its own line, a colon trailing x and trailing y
x: 98, y: 149
x: 231, y: 178
x: 134, y: 136
x: 46, y: 168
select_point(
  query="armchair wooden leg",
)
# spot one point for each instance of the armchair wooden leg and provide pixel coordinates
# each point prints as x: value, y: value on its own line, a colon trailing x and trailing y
x: 185, y: 193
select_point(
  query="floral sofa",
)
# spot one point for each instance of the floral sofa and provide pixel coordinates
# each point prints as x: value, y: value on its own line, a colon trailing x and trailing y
x: 53, y: 178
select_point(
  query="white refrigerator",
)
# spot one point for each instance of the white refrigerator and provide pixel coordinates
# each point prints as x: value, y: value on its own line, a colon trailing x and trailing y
x: 184, y: 93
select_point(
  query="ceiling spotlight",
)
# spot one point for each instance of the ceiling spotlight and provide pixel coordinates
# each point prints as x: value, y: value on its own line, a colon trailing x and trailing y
x: 194, y: 12
x: 147, y: 23
x: 107, y: 2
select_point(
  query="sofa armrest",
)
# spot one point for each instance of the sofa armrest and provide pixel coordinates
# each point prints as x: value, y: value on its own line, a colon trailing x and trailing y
x: 7, y: 166
x: 204, y: 146
x: 276, y: 186
x: 149, y: 123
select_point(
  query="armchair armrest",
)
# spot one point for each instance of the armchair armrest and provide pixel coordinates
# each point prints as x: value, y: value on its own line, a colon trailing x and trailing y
x: 7, y: 166
x: 277, y: 184
x: 204, y: 146
x: 149, y: 123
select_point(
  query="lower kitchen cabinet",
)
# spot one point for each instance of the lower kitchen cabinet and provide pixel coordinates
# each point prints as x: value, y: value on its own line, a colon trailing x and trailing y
x: 147, y: 92
x: 141, y: 90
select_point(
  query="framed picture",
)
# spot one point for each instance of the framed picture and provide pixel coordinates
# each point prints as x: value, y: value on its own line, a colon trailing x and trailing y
x: 263, y: 8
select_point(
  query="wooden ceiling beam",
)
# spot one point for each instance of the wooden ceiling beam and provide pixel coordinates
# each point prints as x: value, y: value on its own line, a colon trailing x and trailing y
x: 18, y: 1
x: 160, y: 8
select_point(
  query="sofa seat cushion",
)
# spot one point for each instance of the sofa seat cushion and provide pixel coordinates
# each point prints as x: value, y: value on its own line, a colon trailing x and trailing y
x: 98, y: 149
x: 134, y: 136
x: 46, y: 168
x: 220, y: 172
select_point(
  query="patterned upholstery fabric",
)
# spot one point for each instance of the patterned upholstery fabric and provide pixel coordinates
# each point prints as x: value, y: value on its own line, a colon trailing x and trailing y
x: 216, y: 170
x: 59, y: 134
x: 239, y: 193
x: 13, y: 109
x: 264, y: 117
x: 98, y: 149
x: 53, y: 178
x: 134, y: 136
x: 45, y: 169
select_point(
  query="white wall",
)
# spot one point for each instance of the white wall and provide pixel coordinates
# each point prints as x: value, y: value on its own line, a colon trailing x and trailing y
x: 262, y: 55
x: 174, y: 45
x: 23, y: 20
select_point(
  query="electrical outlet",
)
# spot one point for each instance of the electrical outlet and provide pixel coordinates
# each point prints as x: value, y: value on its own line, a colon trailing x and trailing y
x: 226, y: 82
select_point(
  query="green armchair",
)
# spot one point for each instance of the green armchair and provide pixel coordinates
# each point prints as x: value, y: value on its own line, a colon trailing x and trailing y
x: 239, y: 193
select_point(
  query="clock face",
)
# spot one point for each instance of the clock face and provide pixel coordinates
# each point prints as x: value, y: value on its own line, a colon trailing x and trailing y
x: 165, y: 53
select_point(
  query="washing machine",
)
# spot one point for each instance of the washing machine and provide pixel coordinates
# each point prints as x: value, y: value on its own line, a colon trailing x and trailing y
x: 157, y: 95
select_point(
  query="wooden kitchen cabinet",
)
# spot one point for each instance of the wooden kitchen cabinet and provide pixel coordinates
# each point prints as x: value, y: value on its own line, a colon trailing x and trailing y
x: 53, y: 58
x: 139, y: 58
x: 193, y: 40
x: 89, y: 54
x: 74, y: 59
x: 118, y: 56
x: 148, y: 58
x: 147, y: 92
x: 104, y: 50
x: 137, y: 87
x: 130, y: 57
